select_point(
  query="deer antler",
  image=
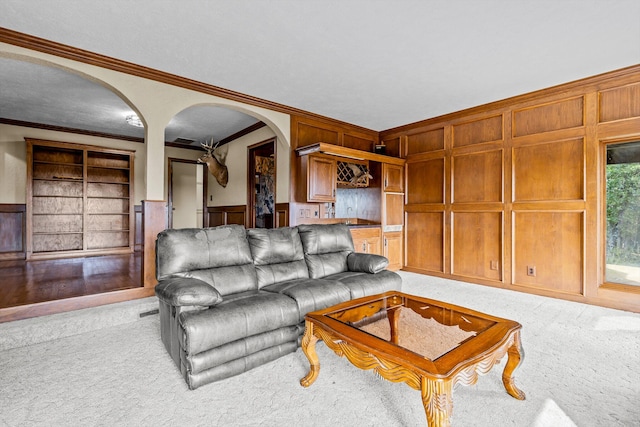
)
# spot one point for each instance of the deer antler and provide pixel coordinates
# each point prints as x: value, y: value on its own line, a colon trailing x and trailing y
x: 216, y: 167
x: 209, y: 145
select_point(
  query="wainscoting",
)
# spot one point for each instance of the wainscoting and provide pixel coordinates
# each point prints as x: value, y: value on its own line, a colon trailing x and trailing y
x: 237, y: 214
x: 12, y: 231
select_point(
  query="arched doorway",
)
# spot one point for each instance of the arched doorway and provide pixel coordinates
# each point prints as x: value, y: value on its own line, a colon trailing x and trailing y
x: 45, y: 102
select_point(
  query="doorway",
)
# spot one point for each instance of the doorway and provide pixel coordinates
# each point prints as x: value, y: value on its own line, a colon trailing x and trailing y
x: 187, y: 196
x: 261, y: 184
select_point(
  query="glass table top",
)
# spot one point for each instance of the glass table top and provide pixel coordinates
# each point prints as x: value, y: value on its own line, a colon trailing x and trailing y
x: 428, y: 328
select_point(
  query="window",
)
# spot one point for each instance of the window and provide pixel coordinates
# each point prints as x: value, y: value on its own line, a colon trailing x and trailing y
x: 623, y: 214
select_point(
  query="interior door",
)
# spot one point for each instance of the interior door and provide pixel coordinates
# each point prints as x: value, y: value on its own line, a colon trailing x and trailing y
x: 186, y: 194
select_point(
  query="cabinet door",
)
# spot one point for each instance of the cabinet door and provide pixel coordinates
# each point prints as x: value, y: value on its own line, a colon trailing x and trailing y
x: 373, y: 245
x: 321, y: 179
x: 393, y: 209
x: 393, y: 249
x: 393, y: 178
x: 366, y: 240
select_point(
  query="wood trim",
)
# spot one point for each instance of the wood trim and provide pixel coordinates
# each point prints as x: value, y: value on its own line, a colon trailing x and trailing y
x: 251, y: 169
x: 336, y: 150
x: 60, y: 306
x: 64, y: 129
x: 10, y: 239
x: 154, y: 221
x: 49, y: 47
x: 246, y: 131
x: 586, y: 84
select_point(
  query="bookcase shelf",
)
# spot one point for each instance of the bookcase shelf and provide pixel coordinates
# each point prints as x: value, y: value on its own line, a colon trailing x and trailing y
x: 79, y: 199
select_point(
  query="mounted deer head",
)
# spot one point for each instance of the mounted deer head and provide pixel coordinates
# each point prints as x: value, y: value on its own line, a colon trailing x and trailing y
x: 215, y: 160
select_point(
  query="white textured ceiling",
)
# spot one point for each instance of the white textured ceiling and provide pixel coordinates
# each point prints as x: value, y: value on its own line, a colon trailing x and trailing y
x: 377, y: 64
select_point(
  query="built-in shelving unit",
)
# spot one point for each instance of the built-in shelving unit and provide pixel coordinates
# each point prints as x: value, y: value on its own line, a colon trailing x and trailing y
x: 79, y: 200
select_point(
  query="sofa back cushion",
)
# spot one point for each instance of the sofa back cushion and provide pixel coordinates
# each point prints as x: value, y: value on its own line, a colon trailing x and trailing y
x: 326, y: 247
x: 219, y: 256
x: 277, y: 255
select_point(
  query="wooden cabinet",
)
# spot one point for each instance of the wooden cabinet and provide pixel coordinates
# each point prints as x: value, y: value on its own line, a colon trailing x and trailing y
x: 319, y: 173
x: 392, y: 249
x: 367, y: 240
x: 393, y: 214
x: 79, y: 200
x: 393, y: 178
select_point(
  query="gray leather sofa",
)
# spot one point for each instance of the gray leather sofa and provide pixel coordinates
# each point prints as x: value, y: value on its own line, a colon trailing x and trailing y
x: 233, y: 298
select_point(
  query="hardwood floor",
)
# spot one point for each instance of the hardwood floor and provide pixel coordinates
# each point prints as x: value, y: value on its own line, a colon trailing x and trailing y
x: 32, y: 282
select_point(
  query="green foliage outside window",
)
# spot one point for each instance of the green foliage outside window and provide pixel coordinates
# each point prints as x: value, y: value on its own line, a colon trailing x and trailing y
x: 623, y: 214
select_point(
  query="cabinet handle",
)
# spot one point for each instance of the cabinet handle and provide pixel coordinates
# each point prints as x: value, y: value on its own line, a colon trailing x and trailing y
x: 386, y: 182
x: 385, y: 242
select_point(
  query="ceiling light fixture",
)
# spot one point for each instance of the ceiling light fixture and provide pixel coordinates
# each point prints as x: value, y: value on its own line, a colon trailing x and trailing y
x: 134, y: 120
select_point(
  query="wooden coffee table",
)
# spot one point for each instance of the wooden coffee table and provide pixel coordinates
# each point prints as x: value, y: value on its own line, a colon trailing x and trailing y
x: 460, y: 344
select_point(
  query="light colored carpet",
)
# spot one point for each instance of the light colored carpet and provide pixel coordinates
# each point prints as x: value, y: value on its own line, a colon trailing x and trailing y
x: 581, y: 368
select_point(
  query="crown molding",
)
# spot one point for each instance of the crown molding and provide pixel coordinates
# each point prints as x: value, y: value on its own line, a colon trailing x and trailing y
x: 80, y: 55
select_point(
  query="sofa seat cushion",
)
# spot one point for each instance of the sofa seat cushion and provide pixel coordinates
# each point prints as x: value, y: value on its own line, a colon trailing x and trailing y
x: 312, y: 294
x: 365, y: 284
x: 277, y: 255
x: 239, y: 316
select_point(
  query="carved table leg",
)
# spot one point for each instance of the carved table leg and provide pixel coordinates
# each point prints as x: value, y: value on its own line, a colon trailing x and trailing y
x: 437, y: 399
x: 309, y: 348
x: 393, y: 315
x: 516, y: 354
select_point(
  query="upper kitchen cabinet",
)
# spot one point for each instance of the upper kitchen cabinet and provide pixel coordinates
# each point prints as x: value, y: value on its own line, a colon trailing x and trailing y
x: 393, y: 178
x: 318, y: 178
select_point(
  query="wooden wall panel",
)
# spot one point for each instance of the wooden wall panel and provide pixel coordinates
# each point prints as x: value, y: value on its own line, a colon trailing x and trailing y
x: 358, y: 143
x: 139, y: 238
x: 549, y: 171
x: 620, y: 103
x: 393, y: 147
x: 224, y: 215
x: 430, y: 175
x: 12, y: 231
x: 552, y: 243
x: 309, y: 134
x: 424, y: 250
x: 282, y: 215
x: 154, y: 215
x: 477, y: 177
x: 393, y: 209
x: 552, y: 187
x: 478, y: 131
x: 477, y: 244
x: 564, y: 114
x: 424, y: 142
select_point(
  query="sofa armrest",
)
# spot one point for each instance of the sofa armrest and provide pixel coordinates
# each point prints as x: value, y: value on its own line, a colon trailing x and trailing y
x: 180, y: 291
x: 366, y: 263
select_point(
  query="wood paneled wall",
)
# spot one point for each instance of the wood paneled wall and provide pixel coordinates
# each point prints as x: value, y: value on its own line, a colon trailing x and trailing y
x: 237, y: 214
x: 511, y: 194
x: 12, y: 231
x: 307, y: 130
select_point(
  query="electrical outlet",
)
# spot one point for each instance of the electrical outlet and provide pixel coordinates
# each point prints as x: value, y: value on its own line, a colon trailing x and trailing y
x: 301, y: 215
x: 531, y: 271
x: 307, y: 213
